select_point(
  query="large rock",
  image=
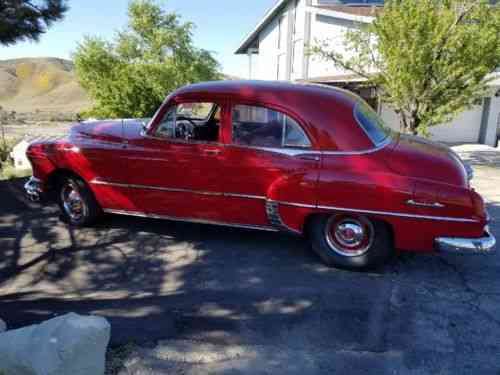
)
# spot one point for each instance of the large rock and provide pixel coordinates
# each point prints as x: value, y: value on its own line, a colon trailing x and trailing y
x: 3, y: 326
x: 69, y: 344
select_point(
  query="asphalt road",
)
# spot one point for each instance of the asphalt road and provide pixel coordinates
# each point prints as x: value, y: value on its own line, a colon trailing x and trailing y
x: 204, y: 299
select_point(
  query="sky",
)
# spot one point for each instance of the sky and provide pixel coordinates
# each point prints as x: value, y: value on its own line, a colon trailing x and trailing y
x: 220, y: 27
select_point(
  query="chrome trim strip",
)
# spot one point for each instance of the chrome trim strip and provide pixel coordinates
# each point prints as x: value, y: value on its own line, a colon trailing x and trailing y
x: 247, y: 196
x: 188, y: 220
x: 400, y: 214
x: 148, y: 187
x: 455, y: 245
x: 411, y: 202
x: 301, y: 205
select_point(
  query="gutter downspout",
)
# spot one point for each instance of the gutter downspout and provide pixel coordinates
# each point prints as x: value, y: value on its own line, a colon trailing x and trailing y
x: 485, y: 117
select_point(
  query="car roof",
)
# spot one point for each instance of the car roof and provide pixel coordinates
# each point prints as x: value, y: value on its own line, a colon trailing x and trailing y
x: 244, y: 88
x: 325, y: 112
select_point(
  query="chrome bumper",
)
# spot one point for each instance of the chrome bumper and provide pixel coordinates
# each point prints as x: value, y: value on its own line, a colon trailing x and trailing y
x: 455, y: 245
x: 33, y: 189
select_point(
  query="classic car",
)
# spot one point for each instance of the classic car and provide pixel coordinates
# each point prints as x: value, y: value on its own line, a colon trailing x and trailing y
x: 303, y: 159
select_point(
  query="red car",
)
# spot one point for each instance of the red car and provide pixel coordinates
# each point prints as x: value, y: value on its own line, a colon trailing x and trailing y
x: 303, y: 159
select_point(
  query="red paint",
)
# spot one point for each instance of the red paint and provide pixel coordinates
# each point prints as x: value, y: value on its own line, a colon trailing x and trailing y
x: 228, y: 183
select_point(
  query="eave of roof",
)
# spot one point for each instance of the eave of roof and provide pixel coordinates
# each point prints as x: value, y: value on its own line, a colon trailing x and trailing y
x: 363, y: 14
x: 250, y: 37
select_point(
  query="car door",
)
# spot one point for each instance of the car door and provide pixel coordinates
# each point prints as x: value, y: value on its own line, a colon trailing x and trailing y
x: 174, y: 174
x: 269, y: 159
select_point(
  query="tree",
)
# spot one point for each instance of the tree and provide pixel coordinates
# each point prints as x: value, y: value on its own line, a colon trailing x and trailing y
x: 429, y: 59
x: 25, y: 20
x: 153, y: 56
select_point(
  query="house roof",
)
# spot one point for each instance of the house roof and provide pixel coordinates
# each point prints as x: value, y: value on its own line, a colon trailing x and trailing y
x: 336, y: 10
x: 249, y: 39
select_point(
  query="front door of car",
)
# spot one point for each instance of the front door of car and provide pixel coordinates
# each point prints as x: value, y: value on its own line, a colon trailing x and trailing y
x: 269, y: 157
x: 174, y: 170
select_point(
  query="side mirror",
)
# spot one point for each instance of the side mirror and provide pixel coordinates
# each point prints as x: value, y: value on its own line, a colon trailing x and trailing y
x: 144, y: 128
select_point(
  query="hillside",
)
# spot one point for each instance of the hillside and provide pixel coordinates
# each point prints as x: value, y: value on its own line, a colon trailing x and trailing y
x: 40, y: 84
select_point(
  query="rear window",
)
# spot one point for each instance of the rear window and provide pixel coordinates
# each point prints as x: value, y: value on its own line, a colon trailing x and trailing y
x: 371, y: 123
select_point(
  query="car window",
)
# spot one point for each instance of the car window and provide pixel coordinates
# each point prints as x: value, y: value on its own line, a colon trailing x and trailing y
x: 263, y: 127
x: 191, y: 122
x: 166, y: 128
x: 195, y: 111
x: 371, y: 122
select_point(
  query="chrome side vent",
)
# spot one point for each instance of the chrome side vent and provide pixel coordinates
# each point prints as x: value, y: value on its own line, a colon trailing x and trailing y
x: 274, y: 217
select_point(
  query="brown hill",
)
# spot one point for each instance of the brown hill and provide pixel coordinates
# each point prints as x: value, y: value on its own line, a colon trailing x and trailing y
x: 40, y: 84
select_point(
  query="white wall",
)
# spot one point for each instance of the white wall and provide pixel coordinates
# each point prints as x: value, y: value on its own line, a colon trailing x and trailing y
x: 265, y: 64
x: 464, y: 129
x: 332, y: 30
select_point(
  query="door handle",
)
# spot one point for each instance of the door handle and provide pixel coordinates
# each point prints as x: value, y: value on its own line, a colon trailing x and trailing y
x: 309, y: 157
x: 212, y: 152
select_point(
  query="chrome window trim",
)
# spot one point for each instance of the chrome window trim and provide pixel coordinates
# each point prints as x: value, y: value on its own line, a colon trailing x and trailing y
x: 356, y: 117
x: 293, y: 152
x: 284, y: 145
x: 188, y: 220
x: 360, y: 152
x: 293, y: 204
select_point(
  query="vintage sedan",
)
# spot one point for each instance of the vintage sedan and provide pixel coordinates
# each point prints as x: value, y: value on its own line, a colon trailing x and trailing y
x: 303, y: 159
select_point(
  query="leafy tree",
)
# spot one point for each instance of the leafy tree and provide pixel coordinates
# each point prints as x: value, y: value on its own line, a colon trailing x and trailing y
x: 430, y: 59
x: 26, y: 20
x: 153, y: 56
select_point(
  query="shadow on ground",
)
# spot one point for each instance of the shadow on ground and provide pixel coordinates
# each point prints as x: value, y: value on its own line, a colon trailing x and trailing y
x: 234, y: 288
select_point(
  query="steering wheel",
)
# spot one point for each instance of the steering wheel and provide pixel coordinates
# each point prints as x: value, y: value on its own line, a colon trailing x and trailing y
x: 185, y: 130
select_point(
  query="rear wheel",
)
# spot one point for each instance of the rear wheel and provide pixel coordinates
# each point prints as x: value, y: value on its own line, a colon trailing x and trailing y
x: 350, y: 241
x: 76, y: 201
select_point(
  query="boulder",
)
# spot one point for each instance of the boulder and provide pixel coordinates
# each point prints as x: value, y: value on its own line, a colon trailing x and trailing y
x: 69, y: 344
x: 3, y: 326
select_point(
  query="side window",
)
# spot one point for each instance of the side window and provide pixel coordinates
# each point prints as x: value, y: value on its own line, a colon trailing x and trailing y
x: 263, y: 127
x: 197, y: 121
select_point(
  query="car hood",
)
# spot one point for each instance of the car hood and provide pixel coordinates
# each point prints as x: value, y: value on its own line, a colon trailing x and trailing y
x: 420, y: 158
x: 107, y: 130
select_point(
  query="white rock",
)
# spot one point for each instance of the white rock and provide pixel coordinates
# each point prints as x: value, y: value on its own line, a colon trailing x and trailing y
x: 69, y: 344
x: 3, y: 326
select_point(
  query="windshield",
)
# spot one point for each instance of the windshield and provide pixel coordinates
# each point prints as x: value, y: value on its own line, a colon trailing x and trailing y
x: 195, y: 111
x: 371, y: 123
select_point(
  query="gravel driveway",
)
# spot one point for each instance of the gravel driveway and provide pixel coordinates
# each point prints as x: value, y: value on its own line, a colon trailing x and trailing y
x: 198, y: 299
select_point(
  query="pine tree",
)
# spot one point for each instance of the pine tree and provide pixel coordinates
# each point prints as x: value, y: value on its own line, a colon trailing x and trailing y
x: 25, y: 20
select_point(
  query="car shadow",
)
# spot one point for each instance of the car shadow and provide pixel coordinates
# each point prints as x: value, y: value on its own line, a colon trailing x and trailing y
x: 155, y: 279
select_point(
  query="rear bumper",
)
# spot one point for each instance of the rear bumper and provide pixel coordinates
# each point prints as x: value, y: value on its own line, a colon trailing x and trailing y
x: 34, y: 189
x: 456, y: 245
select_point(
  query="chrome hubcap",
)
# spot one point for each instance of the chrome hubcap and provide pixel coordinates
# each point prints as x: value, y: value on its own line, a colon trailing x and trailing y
x: 73, y: 203
x: 349, y: 236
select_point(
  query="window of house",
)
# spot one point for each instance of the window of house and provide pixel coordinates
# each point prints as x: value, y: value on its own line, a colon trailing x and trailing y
x: 262, y: 127
x: 281, y: 32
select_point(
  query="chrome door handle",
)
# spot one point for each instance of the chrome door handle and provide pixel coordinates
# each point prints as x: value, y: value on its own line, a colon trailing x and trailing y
x: 213, y: 152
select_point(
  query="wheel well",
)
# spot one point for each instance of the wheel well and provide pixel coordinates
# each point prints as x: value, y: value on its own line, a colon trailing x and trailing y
x: 56, y: 176
x: 309, y: 219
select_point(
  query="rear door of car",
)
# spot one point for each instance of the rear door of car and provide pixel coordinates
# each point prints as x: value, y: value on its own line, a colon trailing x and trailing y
x: 269, y: 158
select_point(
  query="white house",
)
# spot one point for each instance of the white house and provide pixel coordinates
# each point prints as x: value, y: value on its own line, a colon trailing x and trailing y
x: 277, y: 47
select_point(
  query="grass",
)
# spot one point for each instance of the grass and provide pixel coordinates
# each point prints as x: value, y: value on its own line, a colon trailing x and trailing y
x: 8, y: 172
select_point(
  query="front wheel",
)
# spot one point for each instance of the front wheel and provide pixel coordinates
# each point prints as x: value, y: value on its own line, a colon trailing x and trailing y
x: 350, y: 241
x: 77, y: 203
